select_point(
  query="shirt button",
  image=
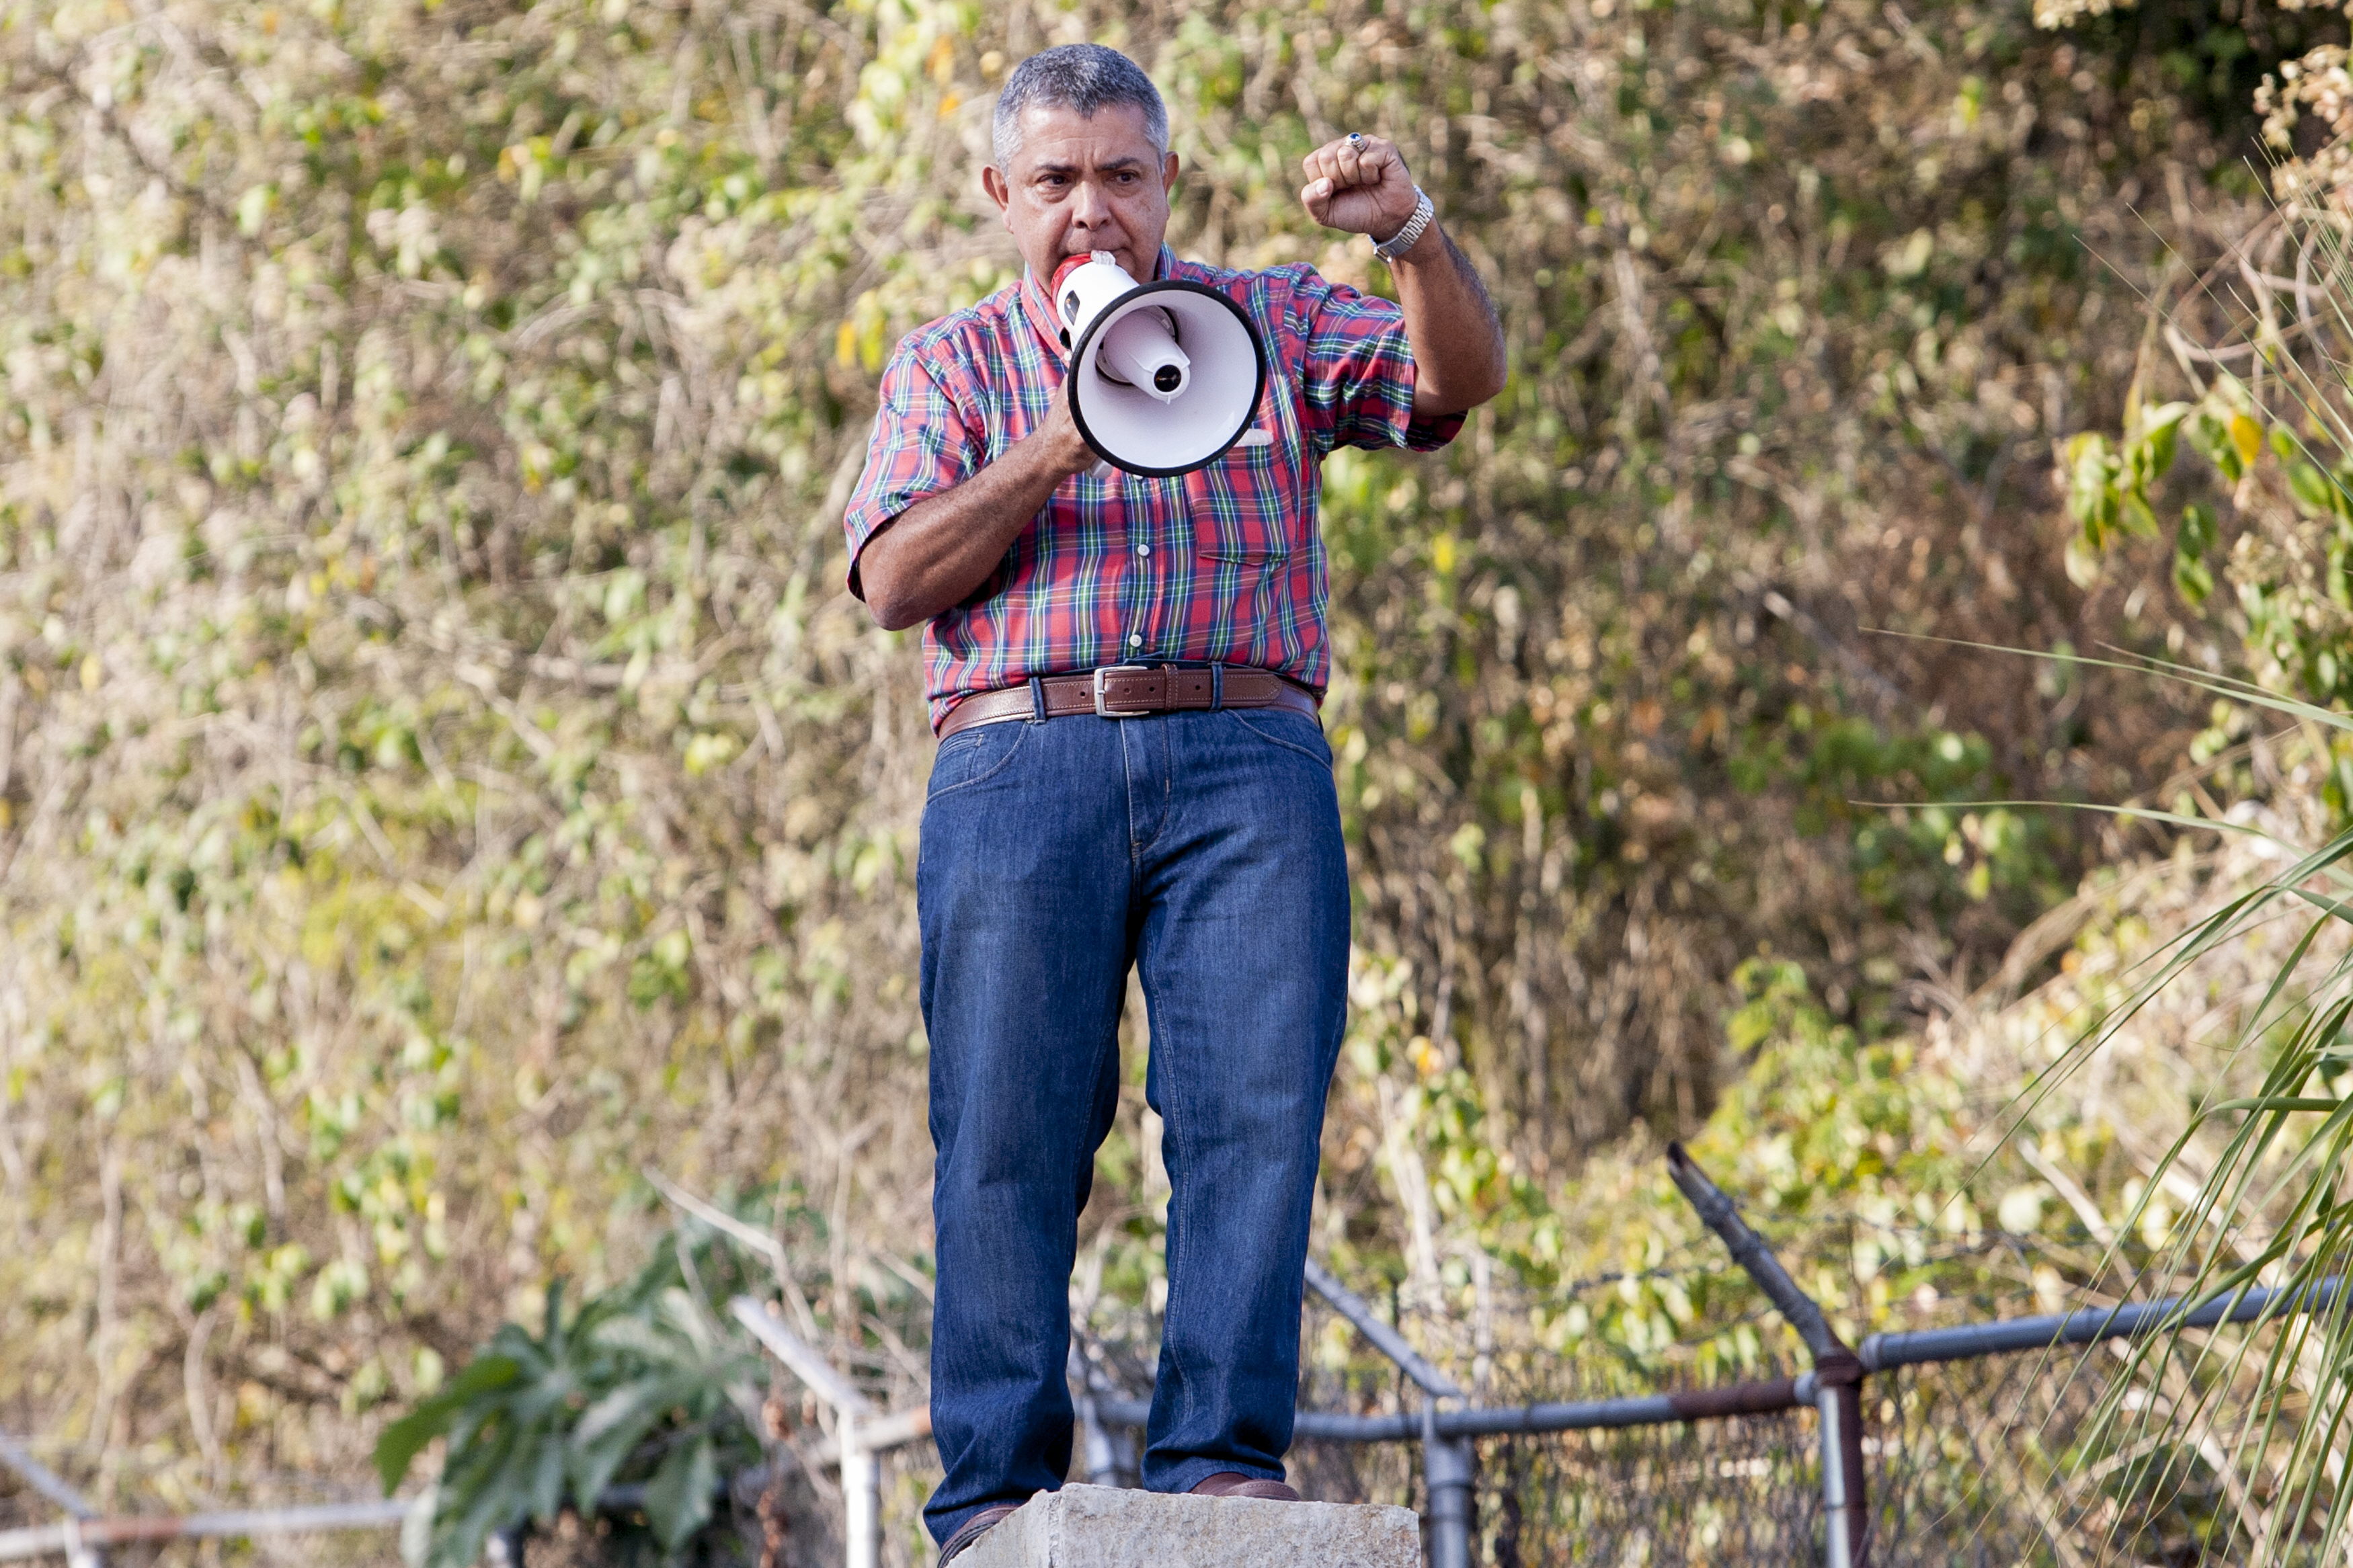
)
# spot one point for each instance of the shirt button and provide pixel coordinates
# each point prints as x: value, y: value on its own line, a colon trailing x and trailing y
x: 1144, y: 550
x: 1136, y: 639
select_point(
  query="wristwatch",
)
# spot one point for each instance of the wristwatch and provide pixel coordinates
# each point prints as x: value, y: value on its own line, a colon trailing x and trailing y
x: 1405, y: 239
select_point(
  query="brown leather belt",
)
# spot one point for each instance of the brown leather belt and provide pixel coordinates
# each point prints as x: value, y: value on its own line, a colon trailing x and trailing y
x: 1132, y: 691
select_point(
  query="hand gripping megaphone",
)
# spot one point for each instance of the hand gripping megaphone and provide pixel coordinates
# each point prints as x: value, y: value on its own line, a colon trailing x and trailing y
x: 1163, y: 377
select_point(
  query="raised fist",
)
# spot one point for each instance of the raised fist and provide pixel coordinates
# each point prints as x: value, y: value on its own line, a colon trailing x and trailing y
x: 1358, y: 184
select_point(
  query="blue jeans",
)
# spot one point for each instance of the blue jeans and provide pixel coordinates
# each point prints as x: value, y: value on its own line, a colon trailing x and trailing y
x: 1204, y: 849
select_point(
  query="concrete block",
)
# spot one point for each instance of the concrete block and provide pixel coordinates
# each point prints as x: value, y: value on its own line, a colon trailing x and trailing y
x: 1108, y: 1527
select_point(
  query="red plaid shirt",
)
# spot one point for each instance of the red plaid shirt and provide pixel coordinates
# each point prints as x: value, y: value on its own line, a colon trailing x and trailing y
x: 1222, y: 565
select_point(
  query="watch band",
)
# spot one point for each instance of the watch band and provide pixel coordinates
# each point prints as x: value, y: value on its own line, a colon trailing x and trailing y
x: 1406, y: 238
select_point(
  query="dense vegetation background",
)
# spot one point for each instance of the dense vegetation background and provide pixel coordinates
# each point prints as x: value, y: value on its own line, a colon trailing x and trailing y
x: 441, y: 775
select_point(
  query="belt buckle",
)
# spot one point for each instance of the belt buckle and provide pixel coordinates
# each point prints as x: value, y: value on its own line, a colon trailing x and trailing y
x: 1103, y: 712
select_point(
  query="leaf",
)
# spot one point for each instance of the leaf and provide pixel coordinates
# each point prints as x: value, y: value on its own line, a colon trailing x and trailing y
x: 254, y: 206
x: 400, y: 1442
x: 2312, y: 489
x: 608, y: 1431
x: 2191, y: 579
x: 2091, y: 483
x: 490, y: 1497
x: 2082, y: 563
x: 2151, y: 453
x: 2209, y: 433
x: 678, y: 1499
x: 2198, y: 532
x: 2246, y: 440
x: 544, y: 1492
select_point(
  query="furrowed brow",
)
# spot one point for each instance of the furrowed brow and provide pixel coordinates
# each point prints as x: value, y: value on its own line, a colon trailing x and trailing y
x: 1114, y: 167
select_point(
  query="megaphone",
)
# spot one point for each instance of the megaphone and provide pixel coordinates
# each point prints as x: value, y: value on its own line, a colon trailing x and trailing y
x: 1163, y: 377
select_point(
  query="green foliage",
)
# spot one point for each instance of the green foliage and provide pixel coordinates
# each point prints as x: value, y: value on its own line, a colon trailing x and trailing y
x: 2250, y: 1190
x: 2294, y: 520
x: 439, y: 769
x: 1856, y: 1155
x: 640, y: 1385
x: 2259, y: 1167
x: 1898, y: 799
x: 399, y: 1444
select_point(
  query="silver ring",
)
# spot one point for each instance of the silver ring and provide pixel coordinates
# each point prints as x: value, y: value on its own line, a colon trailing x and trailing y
x: 1356, y: 138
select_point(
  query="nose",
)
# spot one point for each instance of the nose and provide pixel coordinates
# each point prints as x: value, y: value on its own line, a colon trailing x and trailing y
x: 1088, y: 208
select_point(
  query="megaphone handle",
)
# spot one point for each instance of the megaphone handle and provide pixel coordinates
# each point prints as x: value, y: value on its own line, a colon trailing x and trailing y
x: 1102, y: 468
x: 1256, y: 436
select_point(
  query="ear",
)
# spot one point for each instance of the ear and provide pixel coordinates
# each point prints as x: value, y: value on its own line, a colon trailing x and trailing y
x: 992, y: 180
x: 1168, y: 173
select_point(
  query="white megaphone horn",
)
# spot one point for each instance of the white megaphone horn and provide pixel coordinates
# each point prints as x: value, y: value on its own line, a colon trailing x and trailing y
x: 1163, y: 377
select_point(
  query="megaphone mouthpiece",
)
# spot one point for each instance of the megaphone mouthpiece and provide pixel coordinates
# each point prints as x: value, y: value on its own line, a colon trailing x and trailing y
x: 1071, y: 263
x: 1084, y: 287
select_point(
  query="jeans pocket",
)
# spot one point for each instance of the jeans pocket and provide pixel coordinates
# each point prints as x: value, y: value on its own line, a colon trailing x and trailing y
x: 974, y: 756
x: 1292, y: 731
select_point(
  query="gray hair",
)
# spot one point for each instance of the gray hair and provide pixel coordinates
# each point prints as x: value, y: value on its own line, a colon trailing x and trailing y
x: 1083, y: 77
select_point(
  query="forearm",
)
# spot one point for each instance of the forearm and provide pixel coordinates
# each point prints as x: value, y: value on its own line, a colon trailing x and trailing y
x: 1458, y: 344
x: 933, y: 556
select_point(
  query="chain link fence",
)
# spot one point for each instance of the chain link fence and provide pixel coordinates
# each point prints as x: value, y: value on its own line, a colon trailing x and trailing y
x: 1978, y: 1462
x: 1977, y: 1446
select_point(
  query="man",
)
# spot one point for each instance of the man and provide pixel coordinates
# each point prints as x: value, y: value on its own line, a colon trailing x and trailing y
x: 1124, y: 673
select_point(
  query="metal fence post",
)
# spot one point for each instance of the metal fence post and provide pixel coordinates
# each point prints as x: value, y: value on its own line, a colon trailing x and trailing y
x: 862, y: 1477
x: 52, y: 1486
x: 1447, y: 1474
x: 1838, y: 1398
x: 1448, y: 1464
x: 80, y: 1554
x: 1109, y: 1454
x: 1835, y: 1386
x: 861, y: 1499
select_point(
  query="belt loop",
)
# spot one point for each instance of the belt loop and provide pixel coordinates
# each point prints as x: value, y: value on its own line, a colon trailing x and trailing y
x: 1038, y: 700
x: 1217, y: 687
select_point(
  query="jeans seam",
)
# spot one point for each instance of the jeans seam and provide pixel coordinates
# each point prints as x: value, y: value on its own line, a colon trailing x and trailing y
x: 1135, y: 851
x: 1243, y: 719
x: 1180, y: 1207
x: 1020, y: 738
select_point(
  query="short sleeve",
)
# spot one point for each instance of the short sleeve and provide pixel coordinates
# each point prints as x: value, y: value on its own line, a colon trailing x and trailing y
x: 921, y: 445
x: 1360, y: 371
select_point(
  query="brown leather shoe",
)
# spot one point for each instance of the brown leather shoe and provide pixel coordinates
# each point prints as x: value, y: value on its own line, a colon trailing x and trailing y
x: 1233, y: 1483
x: 972, y: 1530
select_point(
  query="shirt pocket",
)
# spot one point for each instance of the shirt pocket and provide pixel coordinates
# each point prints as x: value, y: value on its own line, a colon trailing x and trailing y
x: 1249, y: 589
x: 1245, y: 506
x: 1250, y: 538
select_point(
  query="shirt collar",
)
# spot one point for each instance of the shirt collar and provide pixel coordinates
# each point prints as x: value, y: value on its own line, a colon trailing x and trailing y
x: 1040, y: 308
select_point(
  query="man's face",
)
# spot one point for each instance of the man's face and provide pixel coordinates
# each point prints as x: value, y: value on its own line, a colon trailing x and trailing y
x: 1081, y: 184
